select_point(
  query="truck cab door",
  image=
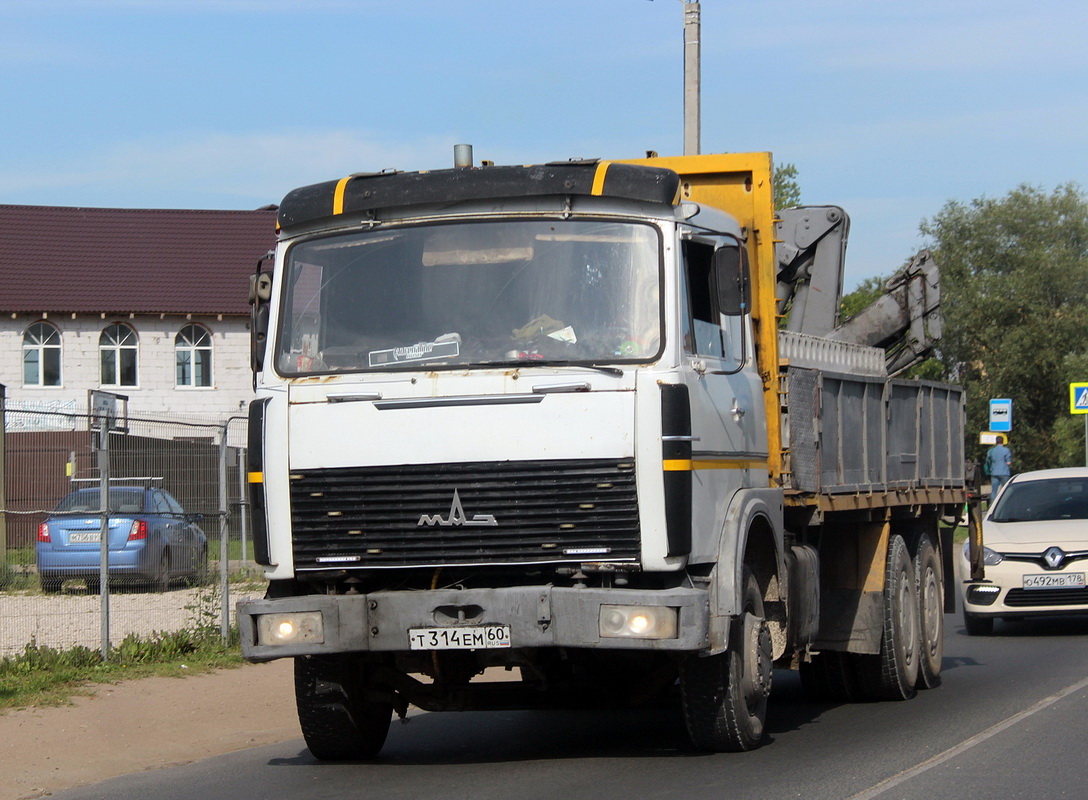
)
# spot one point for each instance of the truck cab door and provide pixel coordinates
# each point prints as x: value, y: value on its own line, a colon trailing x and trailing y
x: 728, y: 420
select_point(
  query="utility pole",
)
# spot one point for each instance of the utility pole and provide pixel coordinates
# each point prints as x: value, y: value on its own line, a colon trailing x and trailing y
x: 691, y: 78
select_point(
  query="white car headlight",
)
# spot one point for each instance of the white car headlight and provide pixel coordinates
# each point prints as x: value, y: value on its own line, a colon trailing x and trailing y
x: 991, y: 558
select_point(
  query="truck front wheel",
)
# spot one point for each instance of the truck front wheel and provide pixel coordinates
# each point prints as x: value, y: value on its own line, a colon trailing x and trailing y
x: 340, y: 720
x: 724, y: 696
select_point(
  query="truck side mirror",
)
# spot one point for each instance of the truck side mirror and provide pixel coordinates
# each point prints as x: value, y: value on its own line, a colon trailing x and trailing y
x: 260, y: 288
x: 731, y: 279
x: 260, y: 292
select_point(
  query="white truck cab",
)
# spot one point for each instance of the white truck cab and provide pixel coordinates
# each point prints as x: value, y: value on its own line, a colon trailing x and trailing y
x: 526, y: 418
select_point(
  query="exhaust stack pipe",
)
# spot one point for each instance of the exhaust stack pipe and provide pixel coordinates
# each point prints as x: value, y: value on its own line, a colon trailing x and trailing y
x: 462, y: 156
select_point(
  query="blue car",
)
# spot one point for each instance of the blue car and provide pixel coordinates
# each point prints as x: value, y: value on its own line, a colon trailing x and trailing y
x: 151, y: 540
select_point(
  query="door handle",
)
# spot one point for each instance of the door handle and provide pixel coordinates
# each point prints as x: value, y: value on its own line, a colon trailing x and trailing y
x: 737, y: 411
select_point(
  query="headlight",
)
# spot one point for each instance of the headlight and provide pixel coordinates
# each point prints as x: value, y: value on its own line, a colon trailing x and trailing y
x: 637, y: 622
x: 279, y: 629
x: 991, y: 558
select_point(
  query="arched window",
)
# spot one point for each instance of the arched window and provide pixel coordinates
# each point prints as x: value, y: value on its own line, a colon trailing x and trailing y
x: 193, y: 356
x: 117, y: 350
x: 41, y: 355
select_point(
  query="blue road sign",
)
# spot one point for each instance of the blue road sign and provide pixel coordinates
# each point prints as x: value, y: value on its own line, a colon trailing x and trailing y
x: 1078, y: 398
x: 1001, y: 415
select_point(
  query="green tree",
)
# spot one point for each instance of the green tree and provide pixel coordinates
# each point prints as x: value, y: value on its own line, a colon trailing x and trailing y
x: 1014, y: 294
x: 1069, y: 431
x: 787, y: 191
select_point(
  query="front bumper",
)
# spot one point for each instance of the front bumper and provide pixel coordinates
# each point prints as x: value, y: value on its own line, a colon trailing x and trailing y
x: 1002, y: 593
x: 538, y: 616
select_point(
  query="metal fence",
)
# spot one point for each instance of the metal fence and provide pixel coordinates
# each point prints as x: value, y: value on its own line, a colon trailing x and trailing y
x: 175, y: 492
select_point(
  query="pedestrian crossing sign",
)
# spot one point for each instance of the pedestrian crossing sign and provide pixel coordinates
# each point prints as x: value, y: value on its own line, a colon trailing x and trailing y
x: 1078, y: 398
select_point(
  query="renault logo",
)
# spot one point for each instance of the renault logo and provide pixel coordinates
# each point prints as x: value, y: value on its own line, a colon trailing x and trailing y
x: 1054, y: 557
x: 456, y: 517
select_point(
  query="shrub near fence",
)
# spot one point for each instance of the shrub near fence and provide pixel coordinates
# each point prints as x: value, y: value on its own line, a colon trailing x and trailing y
x: 47, y: 454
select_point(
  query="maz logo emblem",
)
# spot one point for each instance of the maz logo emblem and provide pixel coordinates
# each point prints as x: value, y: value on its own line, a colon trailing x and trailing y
x: 457, y: 517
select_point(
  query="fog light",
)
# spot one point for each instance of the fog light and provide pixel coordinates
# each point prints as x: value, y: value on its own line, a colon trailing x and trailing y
x: 280, y: 629
x: 637, y: 622
x: 983, y: 595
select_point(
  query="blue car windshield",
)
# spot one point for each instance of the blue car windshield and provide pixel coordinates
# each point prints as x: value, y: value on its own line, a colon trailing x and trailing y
x: 1044, y: 500
x: 122, y: 501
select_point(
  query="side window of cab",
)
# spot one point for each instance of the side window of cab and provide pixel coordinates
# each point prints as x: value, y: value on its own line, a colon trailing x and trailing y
x: 703, y: 334
x: 716, y: 303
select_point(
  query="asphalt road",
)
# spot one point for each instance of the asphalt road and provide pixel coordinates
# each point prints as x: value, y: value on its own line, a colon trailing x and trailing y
x: 1010, y: 721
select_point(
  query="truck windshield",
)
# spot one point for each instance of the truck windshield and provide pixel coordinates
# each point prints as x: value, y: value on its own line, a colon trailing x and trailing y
x: 472, y: 293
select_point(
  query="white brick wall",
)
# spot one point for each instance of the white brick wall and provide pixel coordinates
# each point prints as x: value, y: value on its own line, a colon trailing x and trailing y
x: 156, y: 396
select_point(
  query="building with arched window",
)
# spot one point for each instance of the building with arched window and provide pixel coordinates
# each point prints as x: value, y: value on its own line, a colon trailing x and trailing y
x: 193, y: 356
x: 41, y: 355
x: 147, y: 303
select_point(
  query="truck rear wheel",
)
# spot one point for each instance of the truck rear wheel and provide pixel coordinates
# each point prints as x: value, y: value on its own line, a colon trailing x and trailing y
x: 724, y: 696
x: 893, y: 673
x: 338, y: 720
x: 930, y: 578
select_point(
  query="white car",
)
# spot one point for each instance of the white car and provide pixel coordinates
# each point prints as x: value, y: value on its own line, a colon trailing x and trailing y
x: 1035, y: 551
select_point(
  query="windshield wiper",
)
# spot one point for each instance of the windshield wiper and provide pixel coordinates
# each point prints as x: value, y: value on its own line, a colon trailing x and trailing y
x: 552, y: 362
x: 539, y: 362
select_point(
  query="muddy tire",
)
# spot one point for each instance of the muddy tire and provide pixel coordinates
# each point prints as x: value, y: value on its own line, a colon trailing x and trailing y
x: 724, y: 696
x: 929, y: 577
x: 339, y: 721
x: 893, y: 673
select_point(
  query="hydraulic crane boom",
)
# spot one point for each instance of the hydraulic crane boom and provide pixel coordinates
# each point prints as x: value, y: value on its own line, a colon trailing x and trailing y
x: 810, y: 246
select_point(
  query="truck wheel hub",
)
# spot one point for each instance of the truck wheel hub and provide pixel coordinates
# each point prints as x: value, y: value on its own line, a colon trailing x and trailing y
x: 758, y: 659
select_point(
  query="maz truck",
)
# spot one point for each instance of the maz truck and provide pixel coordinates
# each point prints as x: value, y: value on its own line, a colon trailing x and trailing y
x: 587, y: 434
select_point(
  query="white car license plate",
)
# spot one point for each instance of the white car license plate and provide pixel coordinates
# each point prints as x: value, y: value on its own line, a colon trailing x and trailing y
x: 84, y: 537
x: 472, y: 637
x: 1062, y: 580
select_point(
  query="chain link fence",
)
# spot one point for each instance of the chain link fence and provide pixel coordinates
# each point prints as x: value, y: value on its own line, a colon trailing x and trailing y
x: 179, y: 554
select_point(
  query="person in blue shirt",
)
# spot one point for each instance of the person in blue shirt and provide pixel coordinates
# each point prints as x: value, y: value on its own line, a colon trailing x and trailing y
x: 999, y: 465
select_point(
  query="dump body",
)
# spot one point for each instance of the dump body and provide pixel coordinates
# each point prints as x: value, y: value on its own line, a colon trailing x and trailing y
x: 540, y: 418
x: 850, y: 434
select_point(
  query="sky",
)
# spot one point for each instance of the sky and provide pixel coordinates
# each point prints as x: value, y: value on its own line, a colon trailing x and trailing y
x: 890, y: 110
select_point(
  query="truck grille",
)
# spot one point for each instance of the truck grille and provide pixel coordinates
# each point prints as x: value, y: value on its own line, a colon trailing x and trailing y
x: 532, y: 512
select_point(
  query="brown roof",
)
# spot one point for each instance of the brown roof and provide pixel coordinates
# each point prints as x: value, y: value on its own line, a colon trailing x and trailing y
x: 121, y: 260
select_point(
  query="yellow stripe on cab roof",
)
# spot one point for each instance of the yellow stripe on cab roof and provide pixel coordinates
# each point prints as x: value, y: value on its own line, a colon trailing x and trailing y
x: 338, y: 195
x: 598, y: 178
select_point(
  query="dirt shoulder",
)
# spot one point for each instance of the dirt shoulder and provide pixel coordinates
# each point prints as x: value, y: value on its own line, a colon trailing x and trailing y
x: 143, y: 725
